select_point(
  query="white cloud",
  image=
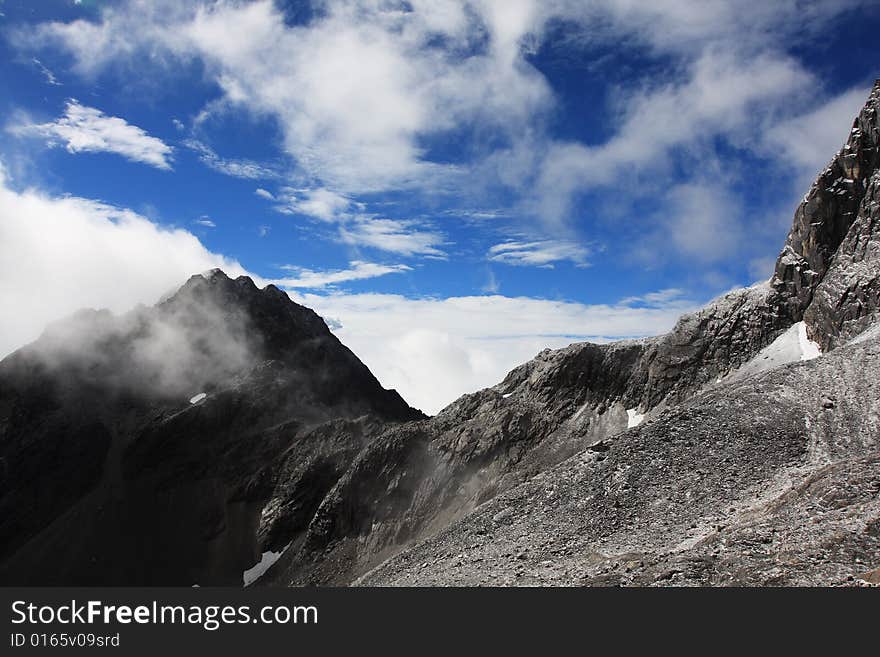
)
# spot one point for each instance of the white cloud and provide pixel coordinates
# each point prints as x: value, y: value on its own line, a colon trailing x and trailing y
x: 693, y: 216
x: 355, y: 90
x: 358, y: 228
x: 492, y: 284
x: 809, y: 141
x: 319, y: 203
x: 721, y: 96
x: 392, y: 236
x: 358, y: 270
x: 49, y: 75
x: 358, y: 90
x: 658, y: 298
x: 264, y: 194
x: 434, y: 350
x: 86, y: 129
x: 206, y: 222
x: 237, y: 168
x: 58, y: 255
x: 542, y: 253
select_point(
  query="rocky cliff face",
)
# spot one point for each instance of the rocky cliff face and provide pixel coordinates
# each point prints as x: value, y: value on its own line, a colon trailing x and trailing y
x: 227, y: 423
x: 774, y: 480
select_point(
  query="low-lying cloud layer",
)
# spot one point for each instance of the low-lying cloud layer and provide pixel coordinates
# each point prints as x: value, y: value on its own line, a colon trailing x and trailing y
x: 60, y: 254
x: 434, y: 350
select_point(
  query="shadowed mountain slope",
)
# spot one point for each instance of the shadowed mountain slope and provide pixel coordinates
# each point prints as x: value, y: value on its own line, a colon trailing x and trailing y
x: 142, y: 449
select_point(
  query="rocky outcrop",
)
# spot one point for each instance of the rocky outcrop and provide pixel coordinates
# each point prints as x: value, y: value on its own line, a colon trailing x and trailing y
x: 824, y: 218
x: 847, y: 299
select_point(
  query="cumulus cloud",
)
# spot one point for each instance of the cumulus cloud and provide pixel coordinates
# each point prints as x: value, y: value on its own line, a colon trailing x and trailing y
x: 60, y: 254
x: 264, y: 194
x: 355, y: 90
x: 542, y: 253
x: 358, y: 270
x: 434, y: 350
x: 86, y: 129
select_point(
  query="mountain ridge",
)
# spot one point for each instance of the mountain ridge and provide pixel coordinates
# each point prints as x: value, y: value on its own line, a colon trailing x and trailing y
x: 230, y: 423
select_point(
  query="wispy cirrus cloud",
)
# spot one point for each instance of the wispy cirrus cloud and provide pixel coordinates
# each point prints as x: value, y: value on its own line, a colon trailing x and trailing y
x: 402, y: 237
x: 47, y: 74
x: 83, y: 129
x: 357, y: 227
x: 238, y: 168
x: 358, y: 270
x: 541, y: 253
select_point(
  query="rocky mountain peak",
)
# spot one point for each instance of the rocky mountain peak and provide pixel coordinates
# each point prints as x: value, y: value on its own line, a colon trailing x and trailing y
x: 277, y: 321
x: 828, y: 210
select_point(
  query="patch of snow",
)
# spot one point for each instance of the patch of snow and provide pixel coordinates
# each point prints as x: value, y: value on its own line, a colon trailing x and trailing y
x: 633, y: 417
x: 506, y: 395
x: 809, y: 349
x: 790, y: 347
x: 267, y: 560
x: 199, y: 397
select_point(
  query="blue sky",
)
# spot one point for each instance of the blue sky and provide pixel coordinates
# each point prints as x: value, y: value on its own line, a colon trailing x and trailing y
x: 452, y: 184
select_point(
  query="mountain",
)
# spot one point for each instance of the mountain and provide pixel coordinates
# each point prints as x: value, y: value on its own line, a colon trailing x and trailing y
x: 225, y: 435
x: 144, y: 449
x: 640, y: 461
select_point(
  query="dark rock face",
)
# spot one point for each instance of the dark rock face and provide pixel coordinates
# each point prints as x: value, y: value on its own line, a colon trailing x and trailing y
x: 110, y: 475
x: 828, y: 211
x: 847, y: 299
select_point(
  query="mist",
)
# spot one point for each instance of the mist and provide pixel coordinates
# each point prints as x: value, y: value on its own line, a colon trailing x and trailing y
x: 185, y: 345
